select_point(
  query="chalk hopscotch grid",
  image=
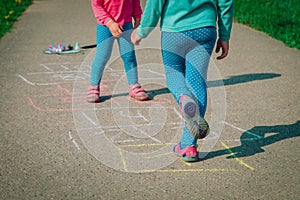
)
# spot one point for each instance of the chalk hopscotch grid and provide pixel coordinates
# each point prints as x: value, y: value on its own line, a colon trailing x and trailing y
x: 65, y: 74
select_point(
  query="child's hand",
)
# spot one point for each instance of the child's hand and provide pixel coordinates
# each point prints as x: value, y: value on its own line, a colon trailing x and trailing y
x: 137, y: 22
x: 115, y: 29
x: 135, y: 39
x: 224, y: 45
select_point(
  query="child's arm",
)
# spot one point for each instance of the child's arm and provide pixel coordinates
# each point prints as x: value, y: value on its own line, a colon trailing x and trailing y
x: 152, y: 14
x: 137, y: 12
x: 137, y: 22
x: 225, y: 17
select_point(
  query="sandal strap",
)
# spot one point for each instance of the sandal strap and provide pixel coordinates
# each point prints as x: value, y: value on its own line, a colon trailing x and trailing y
x: 137, y: 90
x: 137, y: 85
x: 93, y: 90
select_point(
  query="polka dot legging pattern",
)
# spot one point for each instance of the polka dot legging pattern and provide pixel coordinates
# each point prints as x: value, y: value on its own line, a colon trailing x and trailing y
x: 105, y: 42
x: 186, y: 58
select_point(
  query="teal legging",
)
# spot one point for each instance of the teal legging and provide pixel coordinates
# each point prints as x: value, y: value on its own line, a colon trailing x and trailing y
x: 105, y: 42
x: 186, y: 58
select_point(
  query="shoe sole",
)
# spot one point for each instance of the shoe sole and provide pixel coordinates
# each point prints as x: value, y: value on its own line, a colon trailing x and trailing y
x: 188, y: 158
x: 198, y: 126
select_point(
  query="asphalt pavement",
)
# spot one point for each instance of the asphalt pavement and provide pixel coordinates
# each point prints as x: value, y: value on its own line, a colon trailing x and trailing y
x: 54, y: 145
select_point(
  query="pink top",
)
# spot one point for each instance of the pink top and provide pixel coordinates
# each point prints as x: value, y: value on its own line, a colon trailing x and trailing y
x: 121, y: 11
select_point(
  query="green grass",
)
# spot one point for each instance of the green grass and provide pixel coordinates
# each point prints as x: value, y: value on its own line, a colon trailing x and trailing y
x: 278, y: 18
x: 10, y: 10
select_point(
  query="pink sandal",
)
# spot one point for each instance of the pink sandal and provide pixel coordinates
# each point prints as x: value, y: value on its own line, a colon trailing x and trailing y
x: 138, y: 93
x: 188, y: 154
x: 93, y: 94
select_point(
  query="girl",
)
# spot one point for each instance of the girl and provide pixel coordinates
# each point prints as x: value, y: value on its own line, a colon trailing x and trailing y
x: 114, y: 21
x: 188, y: 38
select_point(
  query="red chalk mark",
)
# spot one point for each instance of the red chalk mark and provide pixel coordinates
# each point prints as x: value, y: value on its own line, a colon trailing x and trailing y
x: 64, y: 98
x: 67, y: 92
x: 47, y: 110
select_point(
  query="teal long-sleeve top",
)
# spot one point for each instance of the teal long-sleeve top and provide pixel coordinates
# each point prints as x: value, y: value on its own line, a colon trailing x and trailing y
x: 184, y: 15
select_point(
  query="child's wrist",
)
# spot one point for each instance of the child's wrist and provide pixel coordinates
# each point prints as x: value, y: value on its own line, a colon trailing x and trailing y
x: 109, y: 22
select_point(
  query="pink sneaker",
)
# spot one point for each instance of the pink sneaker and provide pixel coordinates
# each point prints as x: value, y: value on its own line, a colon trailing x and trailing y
x: 188, y: 154
x: 93, y: 94
x: 138, y: 93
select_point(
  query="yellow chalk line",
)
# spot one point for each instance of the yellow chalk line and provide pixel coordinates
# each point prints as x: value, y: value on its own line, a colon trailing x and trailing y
x: 145, y: 145
x: 154, y: 144
x: 186, y: 163
x: 241, y: 162
x: 183, y: 170
x: 123, y: 160
x: 236, y: 158
x: 159, y: 155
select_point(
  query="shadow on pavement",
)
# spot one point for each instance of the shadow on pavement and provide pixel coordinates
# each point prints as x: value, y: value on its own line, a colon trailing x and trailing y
x: 232, y: 80
x: 244, y: 78
x: 254, y: 139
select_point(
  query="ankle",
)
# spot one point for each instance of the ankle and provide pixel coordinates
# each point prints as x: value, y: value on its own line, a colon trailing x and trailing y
x: 134, y: 86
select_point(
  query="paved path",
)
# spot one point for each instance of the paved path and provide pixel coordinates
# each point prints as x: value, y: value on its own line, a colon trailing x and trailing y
x: 55, y: 146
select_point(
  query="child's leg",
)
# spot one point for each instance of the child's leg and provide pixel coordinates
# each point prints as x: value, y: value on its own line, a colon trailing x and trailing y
x: 174, y: 49
x: 197, y: 61
x: 103, y: 53
x: 173, y: 53
x: 130, y: 64
x: 174, y: 46
x: 128, y: 54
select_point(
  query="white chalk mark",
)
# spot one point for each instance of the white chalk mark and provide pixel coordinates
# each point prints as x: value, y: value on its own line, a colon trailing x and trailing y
x: 114, y: 137
x: 45, y: 66
x: 142, y: 116
x: 240, y: 129
x: 24, y: 79
x: 139, y: 125
x: 113, y: 130
x: 89, y: 119
x: 64, y: 67
x: 139, y: 115
x: 126, y: 141
x: 121, y: 141
x: 153, y: 72
x: 56, y: 72
x: 144, y: 133
x: 73, y: 141
x: 99, y: 133
x: 177, y: 113
x: 176, y: 127
x: 37, y: 84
